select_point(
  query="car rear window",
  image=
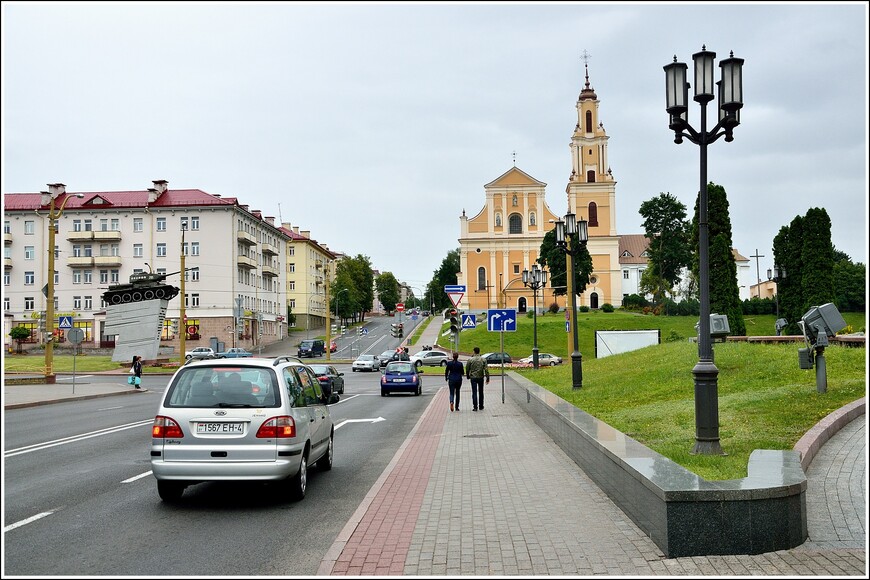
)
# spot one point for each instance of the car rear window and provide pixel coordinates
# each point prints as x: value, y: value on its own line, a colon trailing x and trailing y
x: 224, y: 387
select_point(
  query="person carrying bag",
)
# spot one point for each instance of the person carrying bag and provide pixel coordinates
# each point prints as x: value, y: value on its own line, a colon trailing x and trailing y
x: 135, y: 377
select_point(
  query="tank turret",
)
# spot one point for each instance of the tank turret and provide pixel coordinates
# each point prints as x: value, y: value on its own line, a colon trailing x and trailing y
x: 142, y: 286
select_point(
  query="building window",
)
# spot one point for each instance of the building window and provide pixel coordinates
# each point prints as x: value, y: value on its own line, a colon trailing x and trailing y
x: 138, y: 251
x: 291, y: 251
x: 77, y: 302
x: 56, y: 278
x: 588, y: 121
x: 7, y: 227
x: 89, y: 225
x: 593, y: 214
x: 77, y: 251
x: 516, y: 268
x: 28, y: 302
x: 104, y: 276
x: 515, y: 224
x: 116, y: 225
x: 184, y: 224
x: 292, y: 267
x: 194, y: 300
x: 116, y: 276
x: 194, y: 222
x: 116, y: 249
x: 590, y: 176
x: 89, y: 302
x: 29, y: 279
x: 625, y: 274
x: 88, y: 250
x: 77, y: 225
x: 77, y: 276
x: 292, y: 303
x: 291, y: 286
x: 104, y: 249
x: 184, y: 249
x: 161, y: 250
x: 7, y: 278
x: 28, y: 227
x: 29, y: 254
x: 137, y: 225
x: 104, y: 225
x: 481, y: 278
x: 7, y: 305
x: 89, y: 277
x: 194, y: 248
x: 194, y: 274
x: 161, y: 224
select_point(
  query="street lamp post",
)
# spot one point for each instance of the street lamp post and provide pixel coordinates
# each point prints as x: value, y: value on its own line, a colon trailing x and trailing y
x: 730, y: 94
x: 53, y: 216
x: 535, y: 279
x: 776, y: 275
x: 567, y: 232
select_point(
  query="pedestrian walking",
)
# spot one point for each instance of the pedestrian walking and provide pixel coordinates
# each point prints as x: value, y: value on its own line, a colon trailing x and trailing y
x: 137, y: 371
x: 453, y: 373
x: 477, y: 371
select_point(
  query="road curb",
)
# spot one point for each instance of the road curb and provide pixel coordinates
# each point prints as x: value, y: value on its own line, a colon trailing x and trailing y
x: 68, y: 399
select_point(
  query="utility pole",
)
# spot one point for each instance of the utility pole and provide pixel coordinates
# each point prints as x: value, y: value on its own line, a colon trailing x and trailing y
x: 182, y: 323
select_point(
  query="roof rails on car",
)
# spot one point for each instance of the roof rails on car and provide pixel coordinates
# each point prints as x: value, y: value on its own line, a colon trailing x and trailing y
x: 285, y: 358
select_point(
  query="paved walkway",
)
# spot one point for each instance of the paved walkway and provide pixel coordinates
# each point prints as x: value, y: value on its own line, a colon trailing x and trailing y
x: 488, y: 493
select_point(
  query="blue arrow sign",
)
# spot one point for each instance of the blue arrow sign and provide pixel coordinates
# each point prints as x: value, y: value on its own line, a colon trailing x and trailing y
x: 65, y: 322
x: 454, y: 289
x: 469, y: 321
x: 502, y: 319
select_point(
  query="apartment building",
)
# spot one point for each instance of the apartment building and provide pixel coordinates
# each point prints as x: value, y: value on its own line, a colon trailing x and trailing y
x: 234, y: 261
x: 308, y: 267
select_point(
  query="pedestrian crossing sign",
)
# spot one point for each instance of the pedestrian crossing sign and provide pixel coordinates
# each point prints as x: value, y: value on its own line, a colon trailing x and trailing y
x: 469, y: 321
x: 65, y: 322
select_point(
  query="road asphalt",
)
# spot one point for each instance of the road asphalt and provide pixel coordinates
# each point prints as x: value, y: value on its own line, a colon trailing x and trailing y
x: 488, y: 493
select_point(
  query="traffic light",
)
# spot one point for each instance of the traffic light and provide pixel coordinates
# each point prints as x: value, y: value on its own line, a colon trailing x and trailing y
x: 359, y: 331
x: 394, y: 330
x: 454, y: 322
x: 401, y: 330
x: 173, y: 325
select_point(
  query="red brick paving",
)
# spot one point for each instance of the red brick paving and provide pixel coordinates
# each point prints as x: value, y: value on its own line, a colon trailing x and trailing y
x: 379, y: 544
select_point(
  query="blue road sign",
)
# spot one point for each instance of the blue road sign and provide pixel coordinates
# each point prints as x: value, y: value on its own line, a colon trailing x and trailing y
x: 469, y: 321
x: 65, y: 322
x: 365, y: 331
x: 502, y: 319
x: 454, y: 289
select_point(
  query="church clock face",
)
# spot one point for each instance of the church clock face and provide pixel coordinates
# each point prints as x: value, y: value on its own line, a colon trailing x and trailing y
x: 593, y: 280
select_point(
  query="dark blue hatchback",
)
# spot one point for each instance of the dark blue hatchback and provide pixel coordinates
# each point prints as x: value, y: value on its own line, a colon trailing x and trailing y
x: 401, y: 377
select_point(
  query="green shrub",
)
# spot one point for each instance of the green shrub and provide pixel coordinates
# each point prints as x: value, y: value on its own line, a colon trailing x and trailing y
x: 554, y: 308
x: 583, y: 308
x: 607, y: 307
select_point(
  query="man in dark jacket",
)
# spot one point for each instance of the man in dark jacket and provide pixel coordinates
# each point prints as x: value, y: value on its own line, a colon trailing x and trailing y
x: 476, y: 371
x: 453, y: 373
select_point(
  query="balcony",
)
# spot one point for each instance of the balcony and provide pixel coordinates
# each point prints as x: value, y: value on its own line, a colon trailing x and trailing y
x: 7, y: 263
x: 107, y: 236
x: 80, y: 236
x: 269, y: 250
x: 80, y: 262
x: 246, y: 262
x: 7, y: 238
x: 246, y: 238
x: 107, y: 261
x: 270, y: 271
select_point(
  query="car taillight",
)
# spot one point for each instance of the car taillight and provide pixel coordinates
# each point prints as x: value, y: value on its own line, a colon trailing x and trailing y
x: 277, y: 428
x: 414, y: 379
x: 166, y: 428
x: 383, y: 379
x: 323, y: 379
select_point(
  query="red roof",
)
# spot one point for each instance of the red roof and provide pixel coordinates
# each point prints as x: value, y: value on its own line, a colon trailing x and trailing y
x: 118, y: 199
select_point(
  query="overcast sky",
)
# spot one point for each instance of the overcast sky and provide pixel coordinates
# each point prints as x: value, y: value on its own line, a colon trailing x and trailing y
x: 375, y: 125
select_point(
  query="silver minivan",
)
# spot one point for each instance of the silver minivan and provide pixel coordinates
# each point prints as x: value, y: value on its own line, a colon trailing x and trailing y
x: 241, y: 420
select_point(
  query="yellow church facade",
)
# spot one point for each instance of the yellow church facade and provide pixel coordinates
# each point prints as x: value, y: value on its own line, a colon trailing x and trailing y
x: 505, y: 237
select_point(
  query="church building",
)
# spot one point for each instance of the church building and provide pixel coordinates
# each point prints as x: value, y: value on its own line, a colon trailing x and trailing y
x: 505, y: 237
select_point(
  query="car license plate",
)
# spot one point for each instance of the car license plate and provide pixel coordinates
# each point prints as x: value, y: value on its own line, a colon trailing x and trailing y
x: 398, y: 380
x: 232, y: 428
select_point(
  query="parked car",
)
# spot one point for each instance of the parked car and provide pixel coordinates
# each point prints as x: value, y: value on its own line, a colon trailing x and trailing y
x: 241, y: 420
x: 385, y: 357
x: 311, y: 348
x: 235, y: 352
x: 432, y: 358
x: 366, y: 362
x: 330, y: 378
x: 333, y: 346
x: 544, y: 358
x: 401, y: 376
x: 496, y: 358
x: 200, y: 352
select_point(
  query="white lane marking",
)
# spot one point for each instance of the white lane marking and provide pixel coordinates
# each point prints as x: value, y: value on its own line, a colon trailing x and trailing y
x: 137, y: 477
x: 70, y: 377
x: 346, y: 421
x: 27, y: 521
x: 348, y: 398
x: 111, y: 408
x: 76, y: 438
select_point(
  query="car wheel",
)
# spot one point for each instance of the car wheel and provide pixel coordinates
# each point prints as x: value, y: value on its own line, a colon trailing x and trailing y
x: 353, y: 369
x: 170, y: 491
x: 552, y: 364
x: 418, y: 364
x: 383, y: 393
x: 444, y: 363
x: 299, y: 482
x: 325, y: 462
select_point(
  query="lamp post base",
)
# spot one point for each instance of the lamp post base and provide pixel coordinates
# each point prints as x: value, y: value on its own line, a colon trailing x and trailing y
x: 576, y: 370
x: 535, y: 358
x: 706, y: 409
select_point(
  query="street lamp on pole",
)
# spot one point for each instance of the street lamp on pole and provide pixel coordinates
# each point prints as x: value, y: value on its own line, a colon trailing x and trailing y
x: 53, y: 216
x: 730, y: 93
x: 571, y: 238
x: 535, y: 279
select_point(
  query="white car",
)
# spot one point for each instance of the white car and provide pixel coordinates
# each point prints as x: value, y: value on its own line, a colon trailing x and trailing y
x: 544, y: 358
x: 431, y: 358
x: 200, y: 352
x: 366, y: 362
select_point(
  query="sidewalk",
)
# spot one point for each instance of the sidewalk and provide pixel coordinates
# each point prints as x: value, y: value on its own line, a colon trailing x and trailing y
x: 490, y: 494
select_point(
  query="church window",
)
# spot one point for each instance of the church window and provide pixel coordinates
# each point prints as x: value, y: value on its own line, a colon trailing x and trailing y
x: 498, y: 220
x: 532, y: 219
x: 514, y: 201
x: 481, y: 278
x: 515, y: 224
x: 588, y: 121
x: 590, y: 176
x: 516, y: 268
x: 593, y: 214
